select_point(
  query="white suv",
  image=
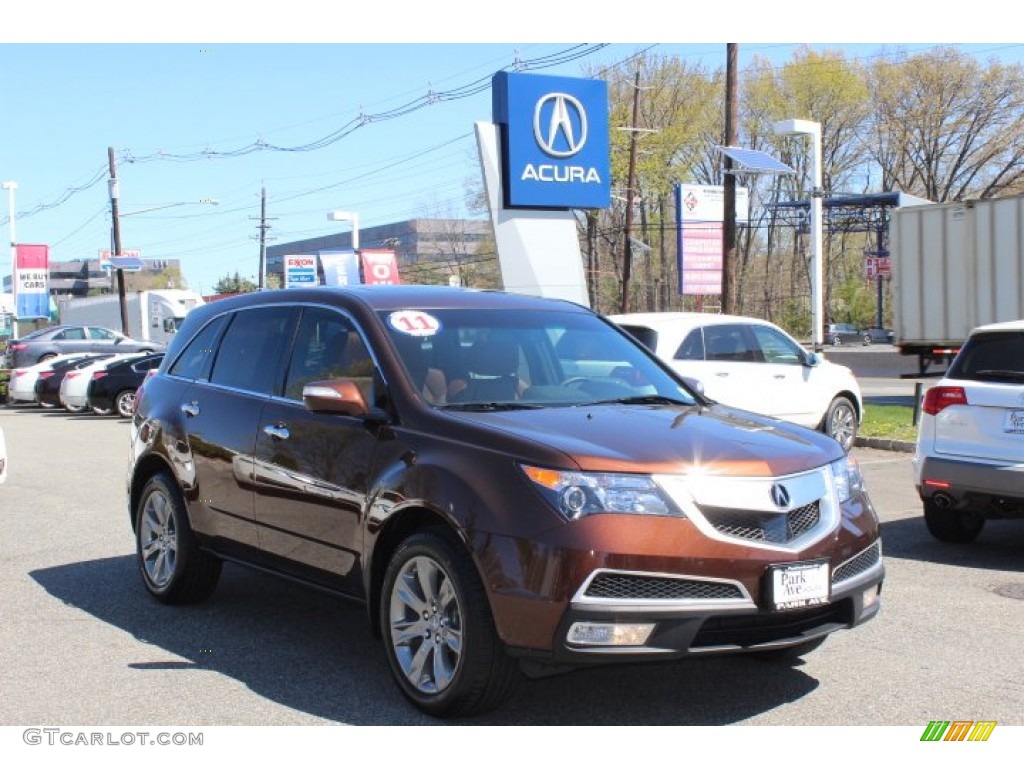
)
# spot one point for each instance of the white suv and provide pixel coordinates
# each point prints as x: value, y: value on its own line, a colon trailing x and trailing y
x: 754, y: 365
x: 969, y: 464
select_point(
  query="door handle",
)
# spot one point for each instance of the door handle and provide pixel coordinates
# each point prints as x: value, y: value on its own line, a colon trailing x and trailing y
x: 190, y: 409
x: 277, y: 431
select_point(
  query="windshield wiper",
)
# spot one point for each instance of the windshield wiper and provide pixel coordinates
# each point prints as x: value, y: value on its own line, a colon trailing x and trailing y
x: 642, y: 400
x: 998, y: 374
x: 491, y: 406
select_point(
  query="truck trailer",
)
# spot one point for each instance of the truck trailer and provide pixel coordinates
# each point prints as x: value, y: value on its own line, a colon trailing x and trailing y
x: 152, y: 315
x: 955, y: 266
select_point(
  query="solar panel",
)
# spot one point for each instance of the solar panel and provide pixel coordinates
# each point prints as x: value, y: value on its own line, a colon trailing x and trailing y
x: 126, y: 263
x: 754, y: 161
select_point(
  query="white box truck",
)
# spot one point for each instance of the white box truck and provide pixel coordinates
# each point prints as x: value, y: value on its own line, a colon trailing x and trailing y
x: 152, y: 315
x: 955, y: 266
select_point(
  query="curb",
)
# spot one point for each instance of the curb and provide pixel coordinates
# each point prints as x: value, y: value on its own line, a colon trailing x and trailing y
x: 885, y: 444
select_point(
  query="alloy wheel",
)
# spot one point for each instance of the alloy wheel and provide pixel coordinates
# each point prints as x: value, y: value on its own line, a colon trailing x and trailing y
x: 158, y: 539
x: 426, y: 625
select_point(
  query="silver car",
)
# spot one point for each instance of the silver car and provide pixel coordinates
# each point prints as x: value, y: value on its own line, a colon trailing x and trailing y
x: 63, y: 339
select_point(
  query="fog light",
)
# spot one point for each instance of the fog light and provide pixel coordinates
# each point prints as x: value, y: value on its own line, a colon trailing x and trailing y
x: 871, y: 596
x: 592, y: 633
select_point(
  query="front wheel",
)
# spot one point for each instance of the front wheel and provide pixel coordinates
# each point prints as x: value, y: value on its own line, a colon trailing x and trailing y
x: 836, y: 341
x: 841, y: 422
x: 867, y: 339
x: 438, y: 632
x: 951, y: 525
x: 173, y: 567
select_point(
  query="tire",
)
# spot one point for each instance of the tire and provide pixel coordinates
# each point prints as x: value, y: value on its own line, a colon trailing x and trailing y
x: 867, y: 339
x: 47, y: 356
x: 75, y: 408
x: 438, y: 632
x: 841, y: 422
x: 173, y: 568
x: 791, y: 654
x: 952, y: 526
x: 836, y: 341
x: 124, y: 403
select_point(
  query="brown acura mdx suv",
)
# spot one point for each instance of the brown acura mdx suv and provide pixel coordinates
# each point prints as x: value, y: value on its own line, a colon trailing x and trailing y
x: 506, y: 482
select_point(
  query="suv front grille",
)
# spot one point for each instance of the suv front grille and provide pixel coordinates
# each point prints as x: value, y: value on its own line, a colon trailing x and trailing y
x: 768, y: 527
x: 858, y: 564
x: 625, y: 586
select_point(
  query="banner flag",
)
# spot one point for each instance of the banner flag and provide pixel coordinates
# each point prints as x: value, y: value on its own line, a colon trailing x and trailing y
x: 340, y: 267
x: 32, y: 281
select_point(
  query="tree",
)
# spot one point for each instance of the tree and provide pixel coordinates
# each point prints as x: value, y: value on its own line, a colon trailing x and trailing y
x: 236, y: 284
x: 947, y: 128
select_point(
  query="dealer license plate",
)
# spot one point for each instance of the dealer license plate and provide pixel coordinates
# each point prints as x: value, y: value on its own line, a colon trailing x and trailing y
x: 799, y: 585
x: 1014, y: 423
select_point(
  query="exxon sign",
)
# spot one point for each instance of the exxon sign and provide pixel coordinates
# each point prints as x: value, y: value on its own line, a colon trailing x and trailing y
x: 555, y: 149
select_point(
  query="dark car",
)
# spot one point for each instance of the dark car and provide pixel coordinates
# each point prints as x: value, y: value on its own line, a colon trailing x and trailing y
x: 877, y: 336
x: 423, y: 451
x: 843, y: 333
x: 61, y: 339
x: 49, y: 381
x: 111, y: 390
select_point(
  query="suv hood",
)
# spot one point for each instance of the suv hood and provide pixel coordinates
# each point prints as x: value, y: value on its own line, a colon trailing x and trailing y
x: 665, y: 438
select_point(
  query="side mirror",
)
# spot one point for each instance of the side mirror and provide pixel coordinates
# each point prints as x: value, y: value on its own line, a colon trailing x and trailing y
x: 813, y: 359
x: 334, y: 396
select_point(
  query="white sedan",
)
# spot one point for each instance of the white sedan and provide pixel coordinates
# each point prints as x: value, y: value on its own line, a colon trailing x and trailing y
x: 754, y: 365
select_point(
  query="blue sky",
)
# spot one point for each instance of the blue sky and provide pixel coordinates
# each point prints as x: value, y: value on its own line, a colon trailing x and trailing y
x: 179, y: 107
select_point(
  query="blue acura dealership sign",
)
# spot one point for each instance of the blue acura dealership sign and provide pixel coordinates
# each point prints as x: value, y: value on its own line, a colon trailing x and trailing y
x: 555, y: 148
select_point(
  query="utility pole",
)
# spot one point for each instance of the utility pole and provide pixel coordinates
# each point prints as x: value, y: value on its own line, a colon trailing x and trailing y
x: 114, y: 195
x: 627, y: 260
x: 729, y: 184
x: 263, y: 227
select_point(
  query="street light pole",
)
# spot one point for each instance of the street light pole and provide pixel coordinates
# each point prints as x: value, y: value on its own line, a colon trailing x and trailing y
x: 348, y: 216
x: 10, y: 186
x: 812, y: 129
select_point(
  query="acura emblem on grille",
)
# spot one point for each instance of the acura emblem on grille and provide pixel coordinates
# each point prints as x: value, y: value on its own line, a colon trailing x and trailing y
x: 780, y: 496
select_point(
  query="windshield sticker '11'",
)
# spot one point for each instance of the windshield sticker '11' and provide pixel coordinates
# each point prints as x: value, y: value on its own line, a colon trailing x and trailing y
x: 414, y: 323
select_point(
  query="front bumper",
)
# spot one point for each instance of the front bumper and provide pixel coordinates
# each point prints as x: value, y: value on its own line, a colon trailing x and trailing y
x: 714, y: 623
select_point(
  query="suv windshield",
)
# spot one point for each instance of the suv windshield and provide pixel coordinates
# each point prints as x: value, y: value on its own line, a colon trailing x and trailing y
x: 991, y: 357
x: 471, y: 357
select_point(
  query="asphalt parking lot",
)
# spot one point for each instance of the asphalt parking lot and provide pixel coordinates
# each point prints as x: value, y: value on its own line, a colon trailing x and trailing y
x: 83, y: 644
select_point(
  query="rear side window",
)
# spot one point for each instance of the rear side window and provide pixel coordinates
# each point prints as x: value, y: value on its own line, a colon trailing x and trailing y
x: 991, y: 357
x: 692, y: 347
x: 248, y: 355
x: 197, y: 358
x: 646, y: 336
x: 70, y: 334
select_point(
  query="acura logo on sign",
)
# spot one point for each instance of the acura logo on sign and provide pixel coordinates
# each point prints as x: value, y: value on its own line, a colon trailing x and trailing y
x: 780, y: 496
x: 560, y: 124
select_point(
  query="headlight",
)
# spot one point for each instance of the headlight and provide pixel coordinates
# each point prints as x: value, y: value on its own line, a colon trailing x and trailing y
x: 847, y: 478
x: 575, y: 494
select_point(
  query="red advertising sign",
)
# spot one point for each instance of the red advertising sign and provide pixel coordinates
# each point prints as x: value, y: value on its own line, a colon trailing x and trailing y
x: 700, y: 270
x: 379, y: 267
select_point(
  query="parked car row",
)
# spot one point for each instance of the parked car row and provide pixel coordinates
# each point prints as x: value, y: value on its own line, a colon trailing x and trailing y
x: 104, y: 383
